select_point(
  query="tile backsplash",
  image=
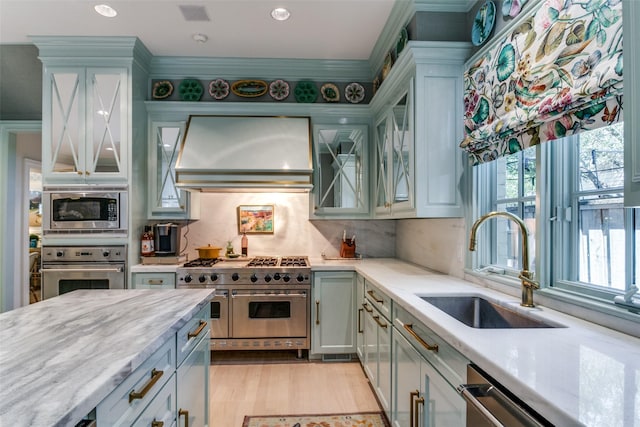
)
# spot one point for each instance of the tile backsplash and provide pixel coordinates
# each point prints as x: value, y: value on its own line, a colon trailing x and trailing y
x: 294, y: 233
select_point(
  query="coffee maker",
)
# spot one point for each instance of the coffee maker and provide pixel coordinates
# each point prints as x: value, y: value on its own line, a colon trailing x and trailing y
x: 166, y: 239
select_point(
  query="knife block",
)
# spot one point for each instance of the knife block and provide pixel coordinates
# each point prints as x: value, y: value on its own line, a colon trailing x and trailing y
x: 347, y: 250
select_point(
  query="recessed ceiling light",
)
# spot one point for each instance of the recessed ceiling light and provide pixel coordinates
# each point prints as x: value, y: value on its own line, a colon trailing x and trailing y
x: 105, y: 10
x: 200, y: 38
x: 280, y: 14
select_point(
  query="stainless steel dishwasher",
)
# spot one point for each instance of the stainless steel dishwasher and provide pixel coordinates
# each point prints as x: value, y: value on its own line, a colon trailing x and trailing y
x: 490, y: 406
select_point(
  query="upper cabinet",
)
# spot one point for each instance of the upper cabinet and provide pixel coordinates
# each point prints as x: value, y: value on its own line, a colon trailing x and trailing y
x: 85, y: 124
x: 631, y: 15
x: 165, y: 199
x: 340, y: 171
x: 418, y: 128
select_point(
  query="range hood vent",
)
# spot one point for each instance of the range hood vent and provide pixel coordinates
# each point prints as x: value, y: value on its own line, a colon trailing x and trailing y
x: 240, y: 153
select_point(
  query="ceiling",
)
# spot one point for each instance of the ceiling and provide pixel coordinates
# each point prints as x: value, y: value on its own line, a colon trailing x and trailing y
x: 317, y: 29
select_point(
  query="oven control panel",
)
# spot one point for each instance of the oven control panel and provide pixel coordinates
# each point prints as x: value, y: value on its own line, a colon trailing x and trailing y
x: 84, y: 253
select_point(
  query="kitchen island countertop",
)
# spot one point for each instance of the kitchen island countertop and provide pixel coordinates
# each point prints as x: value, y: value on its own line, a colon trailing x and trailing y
x: 60, y: 357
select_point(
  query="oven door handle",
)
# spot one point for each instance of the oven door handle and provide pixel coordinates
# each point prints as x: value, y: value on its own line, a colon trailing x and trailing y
x: 84, y: 269
x: 235, y: 294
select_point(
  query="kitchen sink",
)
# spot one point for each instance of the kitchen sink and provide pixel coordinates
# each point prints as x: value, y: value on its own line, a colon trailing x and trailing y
x: 478, y: 312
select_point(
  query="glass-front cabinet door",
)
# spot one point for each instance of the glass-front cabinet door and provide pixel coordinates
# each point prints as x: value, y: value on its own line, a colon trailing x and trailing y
x: 341, y: 178
x: 165, y: 199
x: 395, y: 157
x: 85, y: 133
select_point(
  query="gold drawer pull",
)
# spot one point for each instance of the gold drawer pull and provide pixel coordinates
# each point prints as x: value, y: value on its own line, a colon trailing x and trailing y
x: 367, y: 309
x: 155, y: 423
x: 155, y: 281
x: 375, y: 298
x: 184, y: 412
x: 197, y: 331
x: 431, y: 347
x: 412, y: 395
x: 155, y: 376
x: 377, y: 319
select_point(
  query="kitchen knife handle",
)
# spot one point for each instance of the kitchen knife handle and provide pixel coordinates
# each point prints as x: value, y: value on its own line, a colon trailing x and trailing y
x: 317, y: 312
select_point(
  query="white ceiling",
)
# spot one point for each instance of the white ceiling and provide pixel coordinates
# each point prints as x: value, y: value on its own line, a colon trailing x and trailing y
x: 317, y: 29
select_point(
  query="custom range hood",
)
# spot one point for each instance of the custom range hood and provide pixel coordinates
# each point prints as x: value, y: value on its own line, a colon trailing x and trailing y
x: 241, y: 153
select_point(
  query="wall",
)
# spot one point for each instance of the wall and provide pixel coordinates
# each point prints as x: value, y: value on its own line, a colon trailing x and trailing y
x: 20, y: 83
x: 438, y: 244
x: 294, y: 233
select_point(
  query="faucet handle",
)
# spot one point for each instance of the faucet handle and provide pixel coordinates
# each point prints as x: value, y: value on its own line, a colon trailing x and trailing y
x: 527, y: 279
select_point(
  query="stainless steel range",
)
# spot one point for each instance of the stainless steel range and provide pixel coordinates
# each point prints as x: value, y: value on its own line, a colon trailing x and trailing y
x: 260, y: 304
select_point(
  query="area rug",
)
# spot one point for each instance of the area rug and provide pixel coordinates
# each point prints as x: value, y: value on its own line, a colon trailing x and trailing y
x: 361, y: 419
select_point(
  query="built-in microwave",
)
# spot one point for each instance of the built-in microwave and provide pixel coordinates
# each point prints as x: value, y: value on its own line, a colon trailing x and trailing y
x: 84, y: 210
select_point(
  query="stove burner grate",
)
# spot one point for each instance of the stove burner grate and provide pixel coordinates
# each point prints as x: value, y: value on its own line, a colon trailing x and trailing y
x: 294, y: 261
x: 202, y: 262
x: 264, y: 261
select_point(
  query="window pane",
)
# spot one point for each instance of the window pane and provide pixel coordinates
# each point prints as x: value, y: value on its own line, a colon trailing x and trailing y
x: 602, y: 241
x: 529, y: 172
x: 507, y: 186
x: 508, y: 243
x: 601, y: 155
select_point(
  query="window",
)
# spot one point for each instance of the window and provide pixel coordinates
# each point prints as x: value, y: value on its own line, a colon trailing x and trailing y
x: 577, y: 221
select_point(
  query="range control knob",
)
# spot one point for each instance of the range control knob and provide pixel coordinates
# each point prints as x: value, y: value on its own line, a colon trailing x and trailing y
x: 59, y: 253
x: 286, y: 278
x: 214, y: 277
x: 267, y: 278
x: 300, y: 277
x: 276, y: 276
x: 235, y: 277
x: 106, y: 253
x: 188, y: 278
x: 254, y: 278
x: 202, y: 278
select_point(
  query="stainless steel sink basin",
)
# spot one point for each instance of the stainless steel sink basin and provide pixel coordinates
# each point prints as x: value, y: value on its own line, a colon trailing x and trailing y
x: 477, y: 312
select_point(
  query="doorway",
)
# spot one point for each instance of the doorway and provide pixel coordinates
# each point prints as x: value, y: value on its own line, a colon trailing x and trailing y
x: 33, y: 192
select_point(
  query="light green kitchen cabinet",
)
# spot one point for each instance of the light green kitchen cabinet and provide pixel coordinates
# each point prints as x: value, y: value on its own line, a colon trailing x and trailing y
x: 377, y: 346
x: 85, y: 124
x: 162, y: 408
x: 341, y: 171
x: 165, y: 200
x: 421, y: 395
x: 333, y: 314
x: 153, y: 280
x: 360, y: 344
x: 417, y: 110
x: 426, y: 371
x: 630, y: 16
x: 192, y: 377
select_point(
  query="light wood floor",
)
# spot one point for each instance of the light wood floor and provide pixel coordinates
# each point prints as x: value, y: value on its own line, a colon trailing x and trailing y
x: 237, y: 390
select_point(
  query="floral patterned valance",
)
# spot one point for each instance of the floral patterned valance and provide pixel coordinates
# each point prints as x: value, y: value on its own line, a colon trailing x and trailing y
x: 557, y: 73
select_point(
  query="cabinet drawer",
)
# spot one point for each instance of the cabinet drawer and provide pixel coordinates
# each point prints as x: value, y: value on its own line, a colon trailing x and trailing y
x: 191, y: 333
x: 128, y: 400
x: 162, y: 408
x: 378, y: 299
x: 448, y: 361
x: 154, y: 281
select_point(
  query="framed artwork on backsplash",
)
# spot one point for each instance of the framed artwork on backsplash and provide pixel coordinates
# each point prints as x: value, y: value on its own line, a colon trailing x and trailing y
x: 255, y: 219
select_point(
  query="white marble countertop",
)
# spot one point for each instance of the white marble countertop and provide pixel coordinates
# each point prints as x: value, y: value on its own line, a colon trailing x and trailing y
x: 60, y: 357
x: 582, y: 374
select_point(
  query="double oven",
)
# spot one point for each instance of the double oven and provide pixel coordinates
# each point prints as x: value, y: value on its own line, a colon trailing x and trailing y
x: 260, y: 304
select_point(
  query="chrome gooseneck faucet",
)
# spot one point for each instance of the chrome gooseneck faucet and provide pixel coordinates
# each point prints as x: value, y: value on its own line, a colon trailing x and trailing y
x: 526, y: 276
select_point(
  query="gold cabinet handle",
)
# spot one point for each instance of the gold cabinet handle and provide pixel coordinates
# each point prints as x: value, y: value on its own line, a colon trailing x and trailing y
x: 375, y: 298
x: 184, y: 412
x: 317, y: 312
x: 155, y: 376
x: 377, y: 319
x: 412, y: 395
x: 155, y: 281
x: 155, y: 423
x: 367, y: 309
x: 79, y: 172
x: 87, y: 173
x: 360, y: 311
x: 431, y: 347
x: 197, y: 331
